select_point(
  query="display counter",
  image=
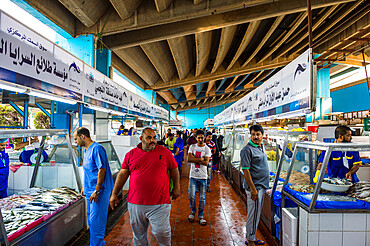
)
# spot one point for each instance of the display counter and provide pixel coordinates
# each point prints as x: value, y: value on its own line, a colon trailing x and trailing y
x: 326, y: 217
x: 51, y: 209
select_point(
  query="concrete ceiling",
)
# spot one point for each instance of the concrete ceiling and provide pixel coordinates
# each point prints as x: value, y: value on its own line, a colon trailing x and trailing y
x: 199, y: 54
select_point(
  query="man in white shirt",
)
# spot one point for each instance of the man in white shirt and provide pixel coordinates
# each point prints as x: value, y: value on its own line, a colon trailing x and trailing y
x: 198, y: 157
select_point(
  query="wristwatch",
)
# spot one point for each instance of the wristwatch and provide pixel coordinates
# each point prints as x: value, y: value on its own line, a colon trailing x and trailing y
x: 97, y: 192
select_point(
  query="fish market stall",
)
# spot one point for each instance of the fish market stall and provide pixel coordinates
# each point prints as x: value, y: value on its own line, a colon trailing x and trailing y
x: 332, y: 212
x: 279, y: 145
x: 51, y: 209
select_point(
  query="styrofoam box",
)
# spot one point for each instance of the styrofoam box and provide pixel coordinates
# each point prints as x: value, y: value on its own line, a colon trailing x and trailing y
x: 121, y: 140
x: 290, y: 224
x: 287, y: 242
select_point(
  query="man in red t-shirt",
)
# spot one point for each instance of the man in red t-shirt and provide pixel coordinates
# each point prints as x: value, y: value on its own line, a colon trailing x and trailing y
x: 149, y: 193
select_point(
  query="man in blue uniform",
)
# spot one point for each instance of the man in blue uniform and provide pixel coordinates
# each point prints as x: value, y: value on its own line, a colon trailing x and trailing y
x: 4, y: 172
x: 178, y: 151
x: 98, y: 184
x: 341, y: 164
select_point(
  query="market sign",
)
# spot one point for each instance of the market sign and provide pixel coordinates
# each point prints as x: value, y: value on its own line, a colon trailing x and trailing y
x: 36, y: 62
x: 104, y: 90
x: 367, y: 124
x: 288, y: 91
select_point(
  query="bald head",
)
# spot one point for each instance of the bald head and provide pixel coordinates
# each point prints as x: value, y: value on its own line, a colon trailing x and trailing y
x: 148, y: 139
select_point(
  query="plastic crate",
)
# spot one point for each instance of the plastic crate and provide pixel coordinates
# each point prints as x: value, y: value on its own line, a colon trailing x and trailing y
x: 35, y: 223
x: 16, y: 234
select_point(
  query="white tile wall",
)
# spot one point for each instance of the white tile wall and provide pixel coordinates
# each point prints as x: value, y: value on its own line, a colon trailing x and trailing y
x: 21, y: 180
x: 313, y: 238
x: 331, y: 222
x: 354, y: 238
x: 354, y: 222
x: 50, y: 177
x: 302, y: 219
x: 330, y: 238
x: 368, y: 222
x: 313, y: 222
x: 10, y: 180
x: 302, y: 238
x: 65, y: 175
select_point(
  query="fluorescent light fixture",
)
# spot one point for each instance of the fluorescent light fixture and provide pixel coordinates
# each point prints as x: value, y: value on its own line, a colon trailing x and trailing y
x: 14, y: 88
x: 118, y: 113
x: 51, y: 97
x: 142, y: 118
x: 101, y: 109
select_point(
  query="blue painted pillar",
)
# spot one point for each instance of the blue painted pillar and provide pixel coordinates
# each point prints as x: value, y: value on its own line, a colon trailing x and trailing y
x: 52, y: 109
x: 103, y: 61
x: 323, y: 99
x: 25, y: 116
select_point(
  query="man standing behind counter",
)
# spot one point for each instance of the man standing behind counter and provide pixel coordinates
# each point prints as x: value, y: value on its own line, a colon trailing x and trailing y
x: 341, y: 164
x: 149, y: 193
x: 98, y: 184
x: 253, y: 161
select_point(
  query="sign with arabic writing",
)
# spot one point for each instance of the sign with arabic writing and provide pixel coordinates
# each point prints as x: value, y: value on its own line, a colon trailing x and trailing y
x: 287, y: 91
x: 27, y: 53
x: 140, y: 107
x: 102, y: 88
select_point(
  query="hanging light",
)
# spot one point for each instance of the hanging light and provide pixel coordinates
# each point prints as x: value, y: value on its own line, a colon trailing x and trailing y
x: 51, y: 97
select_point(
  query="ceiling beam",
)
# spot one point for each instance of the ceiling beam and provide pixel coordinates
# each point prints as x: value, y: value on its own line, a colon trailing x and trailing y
x: 168, y: 96
x: 358, y: 29
x: 292, y: 29
x: 249, y: 34
x: 57, y: 13
x: 84, y: 11
x: 182, y: 104
x: 222, y: 96
x: 181, y: 49
x: 325, y: 28
x: 282, y: 50
x: 209, y: 22
x: 272, y: 29
x: 338, y: 69
x: 226, y: 39
x: 125, y: 8
x: 162, y: 5
x: 232, y: 85
x: 222, y: 82
x: 160, y: 56
x: 122, y: 67
x: 136, y: 59
x: 344, y: 22
x: 213, y: 103
x: 260, y: 76
x: 146, y: 15
x: 222, y: 73
x: 211, y: 90
x: 203, y: 44
x: 189, y: 92
x: 196, y: 2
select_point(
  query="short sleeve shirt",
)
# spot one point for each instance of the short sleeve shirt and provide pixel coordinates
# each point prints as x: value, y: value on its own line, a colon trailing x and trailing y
x: 95, y: 157
x: 212, y: 146
x: 198, y: 171
x: 254, y: 158
x: 149, y: 181
x: 170, y: 143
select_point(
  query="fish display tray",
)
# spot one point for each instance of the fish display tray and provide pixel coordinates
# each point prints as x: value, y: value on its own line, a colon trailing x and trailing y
x: 334, y: 188
x: 16, y: 234
x: 35, y: 223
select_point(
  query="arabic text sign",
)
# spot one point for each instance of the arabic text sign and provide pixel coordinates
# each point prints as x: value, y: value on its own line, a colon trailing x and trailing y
x: 102, y: 88
x: 23, y: 57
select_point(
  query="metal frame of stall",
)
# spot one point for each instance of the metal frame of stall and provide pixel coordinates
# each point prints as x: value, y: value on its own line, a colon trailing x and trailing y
x: 280, y: 158
x: 73, y: 214
x: 328, y: 148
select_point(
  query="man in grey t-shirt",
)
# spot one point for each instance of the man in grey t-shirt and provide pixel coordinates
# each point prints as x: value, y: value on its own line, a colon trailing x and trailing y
x: 253, y: 161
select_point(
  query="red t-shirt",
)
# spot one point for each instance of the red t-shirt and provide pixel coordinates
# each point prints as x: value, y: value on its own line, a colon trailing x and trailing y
x: 149, y: 182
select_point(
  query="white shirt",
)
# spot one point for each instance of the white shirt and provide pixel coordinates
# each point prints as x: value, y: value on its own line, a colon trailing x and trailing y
x: 198, y: 171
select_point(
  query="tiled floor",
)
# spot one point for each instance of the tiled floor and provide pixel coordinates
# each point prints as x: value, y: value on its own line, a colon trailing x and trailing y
x: 225, y: 213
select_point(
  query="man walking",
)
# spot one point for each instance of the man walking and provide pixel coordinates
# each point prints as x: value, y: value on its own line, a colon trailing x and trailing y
x: 149, y: 194
x: 98, y: 184
x: 198, y: 156
x: 178, y: 151
x: 212, y: 146
x: 253, y: 161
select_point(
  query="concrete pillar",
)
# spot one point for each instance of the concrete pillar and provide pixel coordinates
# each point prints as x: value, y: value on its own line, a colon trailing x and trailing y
x: 103, y: 61
x: 323, y: 99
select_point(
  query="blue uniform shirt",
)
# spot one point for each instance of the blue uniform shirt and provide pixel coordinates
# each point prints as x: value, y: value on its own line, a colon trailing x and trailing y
x: 4, y: 173
x: 336, y: 169
x: 95, y: 158
x: 179, y: 144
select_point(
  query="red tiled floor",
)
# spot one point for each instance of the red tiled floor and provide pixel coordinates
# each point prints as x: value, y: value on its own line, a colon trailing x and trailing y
x: 225, y: 213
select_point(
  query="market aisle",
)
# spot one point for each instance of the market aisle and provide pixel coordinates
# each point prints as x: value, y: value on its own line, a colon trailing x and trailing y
x: 225, y: 213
